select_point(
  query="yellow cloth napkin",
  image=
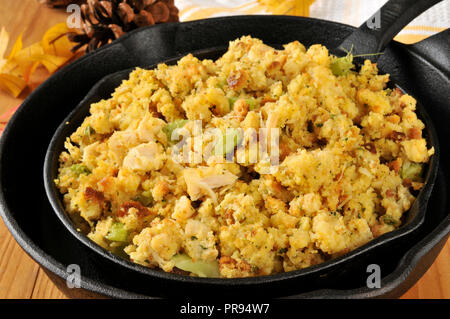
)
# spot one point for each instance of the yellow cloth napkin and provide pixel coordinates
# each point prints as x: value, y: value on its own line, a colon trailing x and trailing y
x: 353, y: 12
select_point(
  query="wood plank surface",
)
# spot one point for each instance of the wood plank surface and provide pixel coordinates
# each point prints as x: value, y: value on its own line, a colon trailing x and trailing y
x: 20, y: 276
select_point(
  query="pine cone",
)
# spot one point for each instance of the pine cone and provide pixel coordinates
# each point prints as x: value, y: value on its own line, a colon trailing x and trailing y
x: 106, y: 20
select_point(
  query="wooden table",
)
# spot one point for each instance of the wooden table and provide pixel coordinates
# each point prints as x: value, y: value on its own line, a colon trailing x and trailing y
x: 20, y: 276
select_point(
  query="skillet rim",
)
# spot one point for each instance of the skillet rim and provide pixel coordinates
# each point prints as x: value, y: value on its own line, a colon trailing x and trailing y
x: 48, y: 261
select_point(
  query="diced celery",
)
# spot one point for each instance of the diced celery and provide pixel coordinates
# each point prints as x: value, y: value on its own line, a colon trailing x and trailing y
x: 88, y: 131
x: 232, y: 138
x: 172, y: 126
x: 341, y: 66
x: 412, y: 171
x: 199, y: 267
x: 231, y: 101
x: 79, y: 169
x: 117, y: 232
x: 251, y: 104
x: 145, y: 198
x: 236, y: 136
x: 389, y: 220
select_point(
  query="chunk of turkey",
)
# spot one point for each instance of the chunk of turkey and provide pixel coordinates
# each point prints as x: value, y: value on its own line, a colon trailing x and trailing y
x: 145, y: 157
x: 202, y: 181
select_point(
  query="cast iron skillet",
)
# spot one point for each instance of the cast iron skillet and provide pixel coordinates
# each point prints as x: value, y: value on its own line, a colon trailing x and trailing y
x: 371, y: 40
x: 33, y: 224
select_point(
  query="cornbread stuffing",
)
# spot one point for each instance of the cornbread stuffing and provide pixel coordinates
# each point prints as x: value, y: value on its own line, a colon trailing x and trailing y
x: 351, y: 156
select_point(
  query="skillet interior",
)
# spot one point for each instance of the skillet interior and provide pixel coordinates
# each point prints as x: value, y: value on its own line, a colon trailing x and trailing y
x: 47, y: 233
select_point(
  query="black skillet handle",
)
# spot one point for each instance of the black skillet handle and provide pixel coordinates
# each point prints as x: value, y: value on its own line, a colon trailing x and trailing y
x: 375, y: 34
